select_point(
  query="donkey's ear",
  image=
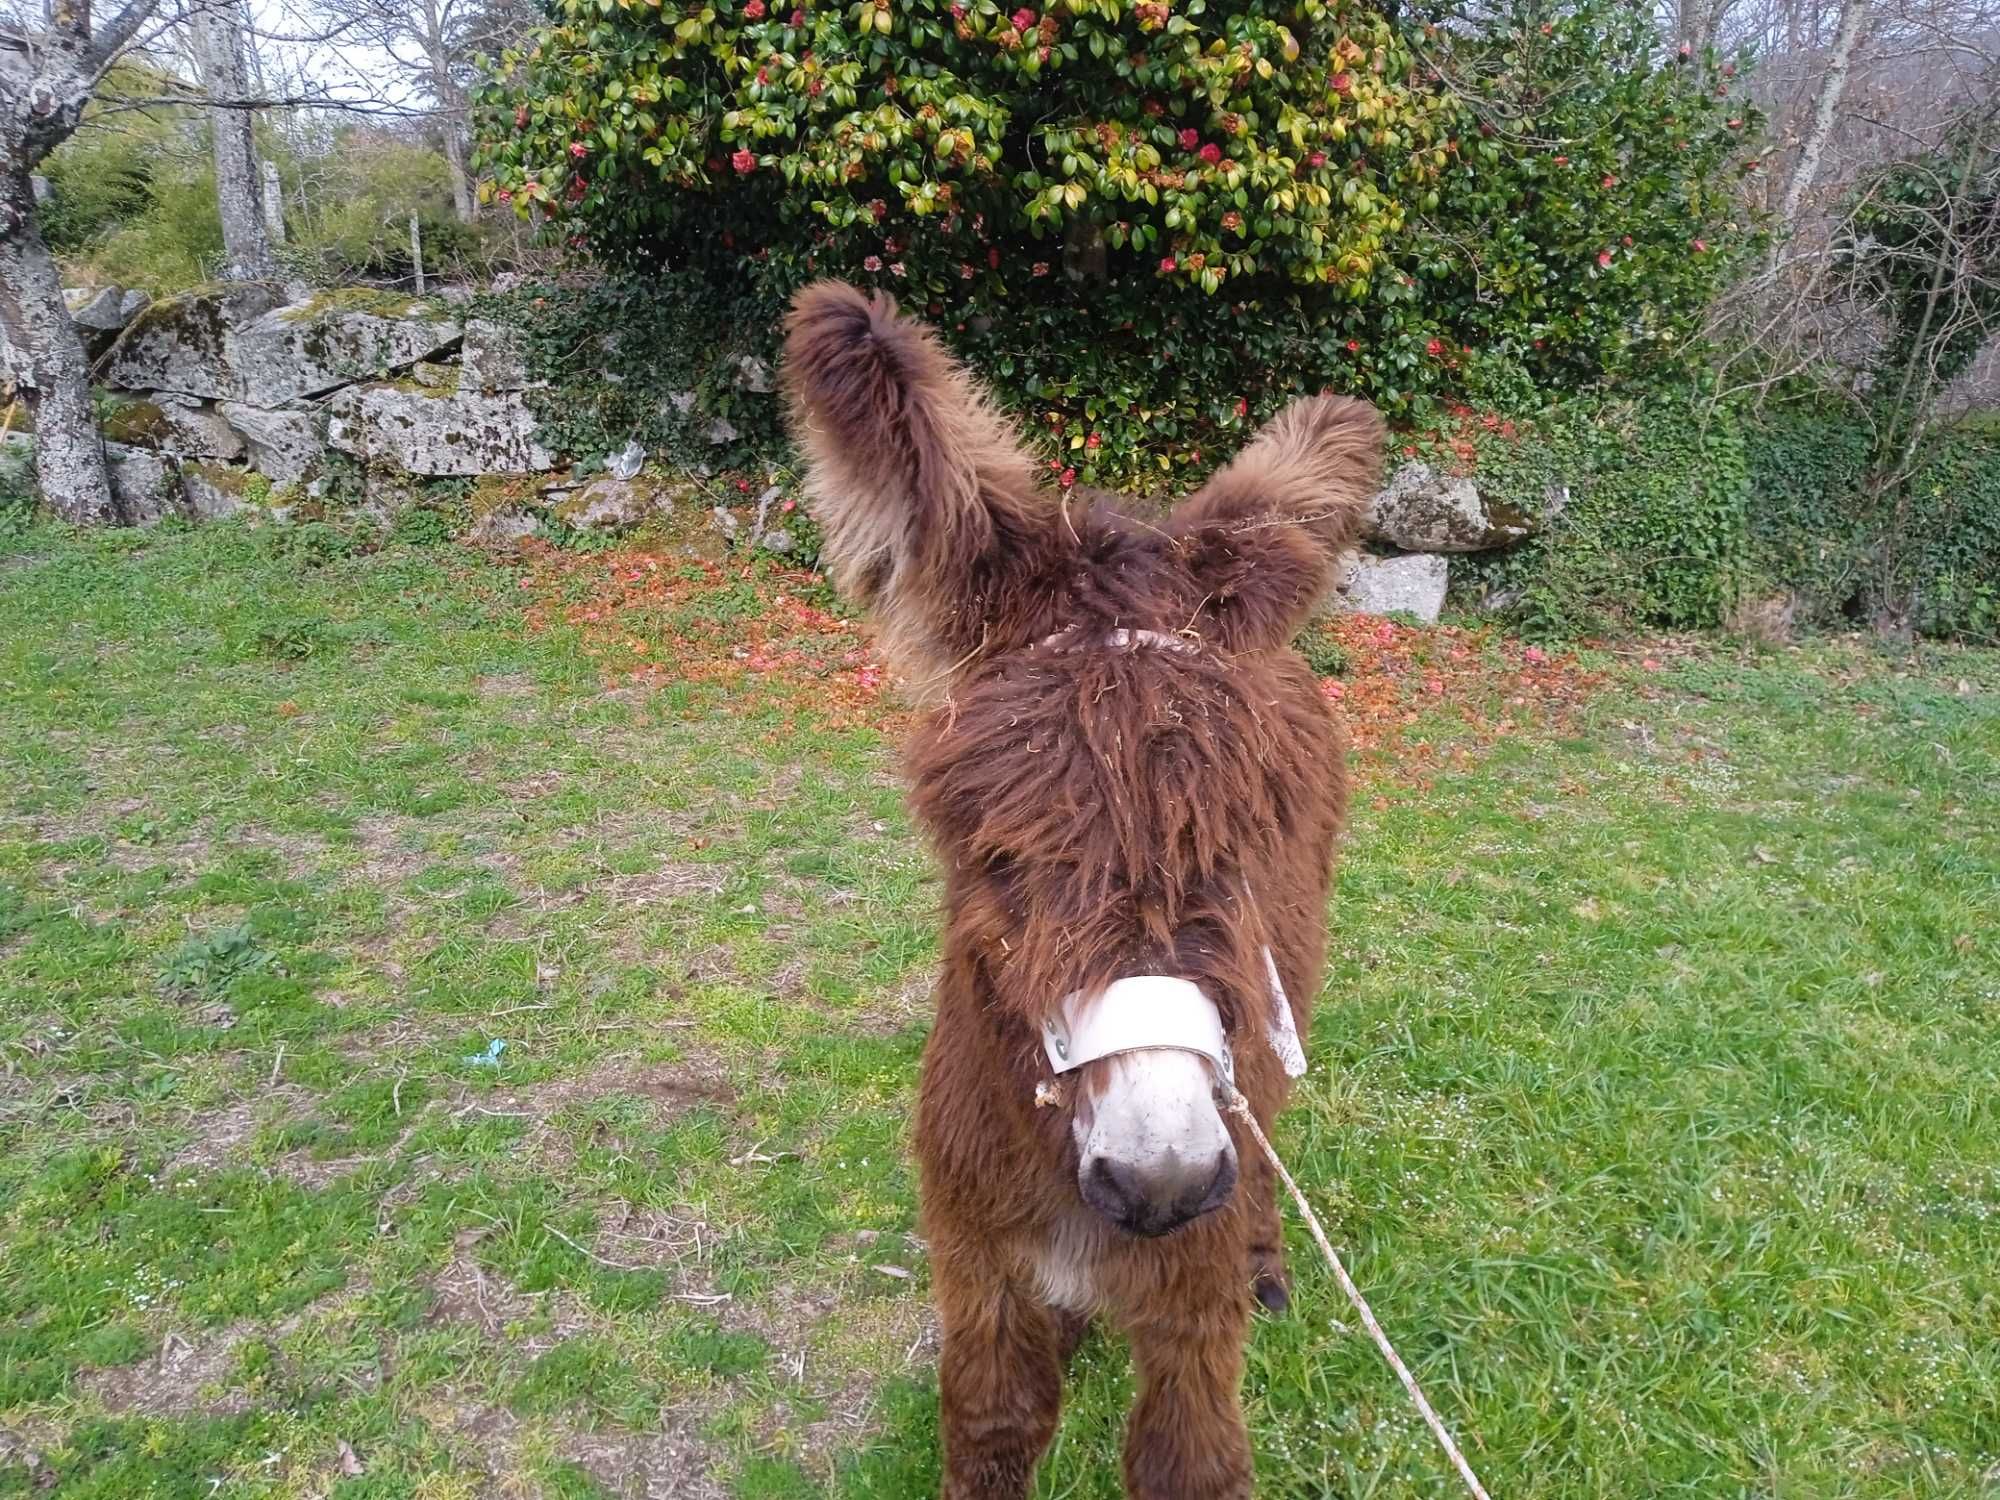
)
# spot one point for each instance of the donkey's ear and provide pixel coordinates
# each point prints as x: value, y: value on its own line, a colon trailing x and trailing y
x: 927, y: 500
x: 1263, y: 536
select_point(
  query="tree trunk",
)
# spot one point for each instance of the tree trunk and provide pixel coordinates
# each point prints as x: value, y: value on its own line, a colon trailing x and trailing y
x: 48, y: 358
x: 454, y: 161
x: 246, y: 248
x: 1826, y: 110
x: 451, y: 112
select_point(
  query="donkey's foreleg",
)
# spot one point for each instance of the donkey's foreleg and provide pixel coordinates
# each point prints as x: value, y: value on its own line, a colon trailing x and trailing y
x: 1186, y: 1439
x: 1269, y: 1281
x: 1000, y: 1379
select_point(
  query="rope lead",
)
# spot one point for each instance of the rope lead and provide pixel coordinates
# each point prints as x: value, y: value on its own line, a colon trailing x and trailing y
x: 1237, y: 1105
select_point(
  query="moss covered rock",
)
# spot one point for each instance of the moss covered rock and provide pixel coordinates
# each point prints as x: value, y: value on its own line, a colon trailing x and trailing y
x: 419, y: 431
x: 238, y: 345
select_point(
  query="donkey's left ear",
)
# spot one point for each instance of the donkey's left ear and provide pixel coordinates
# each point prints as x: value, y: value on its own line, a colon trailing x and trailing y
x: 1263, y: 536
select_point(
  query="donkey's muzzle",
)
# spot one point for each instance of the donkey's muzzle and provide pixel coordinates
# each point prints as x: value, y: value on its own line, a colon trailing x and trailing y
x: 1158, y: 1196
x: 1152, y: 1150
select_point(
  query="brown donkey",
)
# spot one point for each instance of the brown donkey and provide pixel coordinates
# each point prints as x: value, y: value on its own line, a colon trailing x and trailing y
x: 1135, y: 788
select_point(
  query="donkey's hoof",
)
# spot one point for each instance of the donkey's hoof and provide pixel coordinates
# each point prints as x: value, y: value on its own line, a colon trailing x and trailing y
x: 1274, y: 1290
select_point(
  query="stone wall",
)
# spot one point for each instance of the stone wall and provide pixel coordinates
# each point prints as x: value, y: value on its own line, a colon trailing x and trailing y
x: 220, y: 396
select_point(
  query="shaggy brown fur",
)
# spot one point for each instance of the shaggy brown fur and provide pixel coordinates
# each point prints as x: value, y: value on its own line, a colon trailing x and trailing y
x: 1099, y: 812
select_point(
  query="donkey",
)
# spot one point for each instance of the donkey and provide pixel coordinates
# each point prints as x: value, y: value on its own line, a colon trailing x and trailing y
x: 1134, y: 787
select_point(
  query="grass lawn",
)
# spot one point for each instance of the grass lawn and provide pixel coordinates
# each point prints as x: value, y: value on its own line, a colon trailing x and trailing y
x: 459, y: 1019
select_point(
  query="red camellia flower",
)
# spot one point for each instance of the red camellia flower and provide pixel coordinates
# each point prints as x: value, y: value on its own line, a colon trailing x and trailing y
x: 1168, y: 264
x: 1093, y: 441
x: 1067, y: 478
x: 1242, y: 406
x: 1316, y: 160
x: 754, y: 9
x: 1023, y: 19
x: 1604, y: 259
x: 1342, y: 82
x: 1211, y: 153
x: 872, y: 263
x: 967, y: 271
x: 1434, y: 348
x: 1701, y: 247
x: 1562, y: 161
x: 797, y: 21
x: 744, y: 161
x: 879, y: 209
x: 1190, y: 139
x: 506, y: 195
x: 1609, y: 181
x: 1354, y: 346
x: 763, y: 78
x: 1041, y: 268
x: 578, y: 149
x: 896, y: 269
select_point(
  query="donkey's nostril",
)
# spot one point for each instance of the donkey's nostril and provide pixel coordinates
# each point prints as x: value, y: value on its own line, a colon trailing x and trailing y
x: 1159, y: 1196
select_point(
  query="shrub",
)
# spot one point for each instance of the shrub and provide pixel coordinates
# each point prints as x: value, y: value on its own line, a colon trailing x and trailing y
x: 1148, y: 223
x: 656, y: 361
x: 18, y: 498
x: 1808, y: 459
x: 1957, y: 557
x: 1642, y: 507
x: 1595, y: 215
x: 352, y: 206
x: 1814, y: 532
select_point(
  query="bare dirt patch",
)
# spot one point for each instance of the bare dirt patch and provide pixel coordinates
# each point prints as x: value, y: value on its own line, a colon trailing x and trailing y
x: 221, y: 1136
x: 386, y: 857
x: 671, y: 1464
x: 171, y: 1383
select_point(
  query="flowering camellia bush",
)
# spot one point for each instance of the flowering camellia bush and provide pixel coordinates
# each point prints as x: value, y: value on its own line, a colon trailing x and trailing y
x: 956, y: 146
x: 1597, y: 213
x: 1148, y: 222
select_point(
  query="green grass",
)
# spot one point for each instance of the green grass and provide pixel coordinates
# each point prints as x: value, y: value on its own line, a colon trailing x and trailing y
x: 1653, y: 1093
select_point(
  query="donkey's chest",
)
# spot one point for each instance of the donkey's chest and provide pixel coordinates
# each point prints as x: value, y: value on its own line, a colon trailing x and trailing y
x: 1066, y: 1262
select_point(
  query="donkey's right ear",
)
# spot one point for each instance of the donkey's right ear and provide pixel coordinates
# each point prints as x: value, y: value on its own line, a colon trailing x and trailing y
x: 1263, y: 536
x: 927, y: 500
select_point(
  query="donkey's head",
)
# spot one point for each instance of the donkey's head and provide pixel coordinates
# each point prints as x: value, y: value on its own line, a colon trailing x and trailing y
x: 1129, y: 751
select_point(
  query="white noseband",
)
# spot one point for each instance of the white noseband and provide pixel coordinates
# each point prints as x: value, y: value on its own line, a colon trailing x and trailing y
x: 1133, y: 1014
x: 1156, y: 1010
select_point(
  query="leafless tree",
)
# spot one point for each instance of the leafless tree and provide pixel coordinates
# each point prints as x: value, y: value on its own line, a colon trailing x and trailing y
x: 47, y: 76
x: 1882, y: 286
x: 432, y: 45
